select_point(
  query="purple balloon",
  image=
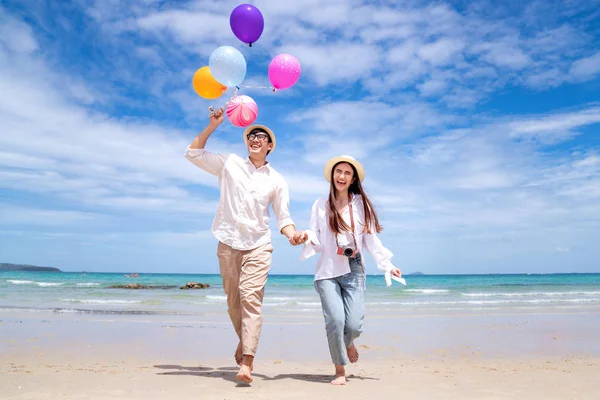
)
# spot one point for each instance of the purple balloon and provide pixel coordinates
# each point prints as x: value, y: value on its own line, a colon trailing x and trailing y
x: 247, y: 23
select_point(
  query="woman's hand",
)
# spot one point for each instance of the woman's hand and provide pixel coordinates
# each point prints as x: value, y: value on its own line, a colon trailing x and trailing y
x: 396, y: 272
x: 299, y: 237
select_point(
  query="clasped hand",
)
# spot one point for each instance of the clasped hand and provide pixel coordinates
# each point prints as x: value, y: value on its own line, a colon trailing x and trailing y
x: 299, y: 237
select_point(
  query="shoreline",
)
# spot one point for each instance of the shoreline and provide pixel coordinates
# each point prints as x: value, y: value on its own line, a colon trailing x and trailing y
x: 522, y: 335
x: 411, y: 274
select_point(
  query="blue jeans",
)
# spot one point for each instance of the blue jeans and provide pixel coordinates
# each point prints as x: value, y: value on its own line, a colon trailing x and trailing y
x: 343, y: 302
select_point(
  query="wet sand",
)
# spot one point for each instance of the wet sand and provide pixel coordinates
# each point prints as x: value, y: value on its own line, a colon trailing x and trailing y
x: 540, y: 354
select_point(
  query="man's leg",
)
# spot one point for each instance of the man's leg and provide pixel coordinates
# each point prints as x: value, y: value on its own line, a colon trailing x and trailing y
x: 230, y: 261
x: 255, y: 268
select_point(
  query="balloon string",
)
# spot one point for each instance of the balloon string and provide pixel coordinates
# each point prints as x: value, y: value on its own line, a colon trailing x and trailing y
x: 258, y: 87
x: 211, y: 109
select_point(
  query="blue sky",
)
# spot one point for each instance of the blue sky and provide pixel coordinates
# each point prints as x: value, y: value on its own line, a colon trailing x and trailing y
x: 477, y: 122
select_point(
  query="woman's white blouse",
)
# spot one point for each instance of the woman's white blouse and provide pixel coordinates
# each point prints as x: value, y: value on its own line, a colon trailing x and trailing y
x: 321, y: 239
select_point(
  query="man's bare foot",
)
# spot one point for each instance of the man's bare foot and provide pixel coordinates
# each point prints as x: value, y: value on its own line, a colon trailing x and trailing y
x: 340, y: 376
x: 245, y: 372
x: 238, y: 354
x: 352, y: 353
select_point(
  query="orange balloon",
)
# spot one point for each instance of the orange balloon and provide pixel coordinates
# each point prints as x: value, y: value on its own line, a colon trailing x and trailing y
x: 206, y: 86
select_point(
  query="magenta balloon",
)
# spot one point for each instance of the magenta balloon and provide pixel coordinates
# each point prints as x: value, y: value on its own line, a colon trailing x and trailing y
x: 284, y: 71
x: 247, y: 23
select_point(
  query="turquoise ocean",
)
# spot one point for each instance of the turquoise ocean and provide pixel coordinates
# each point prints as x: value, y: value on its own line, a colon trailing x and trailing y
x: 90, y: 293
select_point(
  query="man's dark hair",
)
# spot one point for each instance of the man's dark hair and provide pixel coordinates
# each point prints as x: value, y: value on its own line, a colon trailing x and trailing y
x: 260, y: 130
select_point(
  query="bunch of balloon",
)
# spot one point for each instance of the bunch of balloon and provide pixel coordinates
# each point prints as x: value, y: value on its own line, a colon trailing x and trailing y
x: 227, y: 68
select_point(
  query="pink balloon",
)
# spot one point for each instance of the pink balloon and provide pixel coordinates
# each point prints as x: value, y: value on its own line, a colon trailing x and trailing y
x: 284, y: 71
x: 242, y: 111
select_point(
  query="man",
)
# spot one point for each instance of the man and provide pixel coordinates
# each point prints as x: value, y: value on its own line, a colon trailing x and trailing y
x: 248, y: 186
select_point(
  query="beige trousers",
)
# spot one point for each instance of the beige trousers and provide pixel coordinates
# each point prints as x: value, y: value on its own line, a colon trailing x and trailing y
x: 244, y: 274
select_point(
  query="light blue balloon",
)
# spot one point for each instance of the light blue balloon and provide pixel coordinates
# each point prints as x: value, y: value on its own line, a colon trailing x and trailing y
x: 228, y: 66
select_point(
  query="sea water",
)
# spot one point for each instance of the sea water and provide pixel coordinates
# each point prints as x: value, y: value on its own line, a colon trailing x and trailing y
x: 91, y: 293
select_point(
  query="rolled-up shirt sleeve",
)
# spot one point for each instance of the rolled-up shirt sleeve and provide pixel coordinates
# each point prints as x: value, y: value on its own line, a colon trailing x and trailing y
x: 381, y: 255
x: 313, y: 244
x: 211, y: 163
x: 281, y: 205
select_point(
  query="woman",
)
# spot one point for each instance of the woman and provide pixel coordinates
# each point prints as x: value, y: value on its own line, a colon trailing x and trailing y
x: 341, y: 226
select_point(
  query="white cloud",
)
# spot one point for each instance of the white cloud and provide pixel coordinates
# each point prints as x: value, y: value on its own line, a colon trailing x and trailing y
x: 503, y: 55
x: 432, y: 87
x: 586, y: 68
x: 373, y: 34
x: 404, y: 53
x: 185, y: 27
x: 343, y: 118
x: 17, y: 215
x: 483, y: 180
x: 554, y: 128
x: 546, y: 78
x: 179, y: 239
x: 335, y: 62
x: 16, y: 35
x: 441, y: 52
x: 367, y: 119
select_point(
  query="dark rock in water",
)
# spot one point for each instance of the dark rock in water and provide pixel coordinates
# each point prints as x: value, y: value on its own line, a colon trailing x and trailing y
x: 189, y: 285
x: 195, y: 285
x: 140, y: 286
x: 132, y: 286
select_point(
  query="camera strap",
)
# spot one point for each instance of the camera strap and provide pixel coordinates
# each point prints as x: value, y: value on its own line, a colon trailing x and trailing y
x: 354, y: 237
x: 351, y: 225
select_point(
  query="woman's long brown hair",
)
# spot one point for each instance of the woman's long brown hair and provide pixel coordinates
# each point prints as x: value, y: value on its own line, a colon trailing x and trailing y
x: 336, y: 222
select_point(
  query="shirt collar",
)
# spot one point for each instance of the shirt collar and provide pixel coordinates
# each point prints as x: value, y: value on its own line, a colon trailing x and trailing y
x: 249, y: 162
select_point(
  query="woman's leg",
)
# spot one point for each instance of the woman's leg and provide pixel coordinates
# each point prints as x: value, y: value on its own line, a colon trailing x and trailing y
x: 333, y: 311
x: 353, y: 297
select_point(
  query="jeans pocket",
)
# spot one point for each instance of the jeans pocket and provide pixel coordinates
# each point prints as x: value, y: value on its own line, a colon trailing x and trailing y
x: 356, y: 265
x: 355, y: 281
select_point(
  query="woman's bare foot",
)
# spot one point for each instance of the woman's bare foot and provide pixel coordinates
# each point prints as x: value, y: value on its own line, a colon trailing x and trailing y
x: 245, y: 372
x: 238, y: 354
x: 340, y: 376
x: 352, y: 353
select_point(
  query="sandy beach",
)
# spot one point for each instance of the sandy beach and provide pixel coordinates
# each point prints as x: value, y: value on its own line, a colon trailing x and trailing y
x: 545, y: 355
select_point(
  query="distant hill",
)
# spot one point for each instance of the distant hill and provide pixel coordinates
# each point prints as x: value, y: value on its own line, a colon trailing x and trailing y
x: 24, y: 267
x: 415, y: 273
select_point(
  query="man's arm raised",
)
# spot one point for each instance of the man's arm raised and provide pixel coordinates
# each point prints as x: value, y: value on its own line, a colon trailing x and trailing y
x: 195, y: 153
x: 215, y: 120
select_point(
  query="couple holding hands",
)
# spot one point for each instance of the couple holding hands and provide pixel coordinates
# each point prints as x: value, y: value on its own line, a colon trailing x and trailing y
x: 342, y: 225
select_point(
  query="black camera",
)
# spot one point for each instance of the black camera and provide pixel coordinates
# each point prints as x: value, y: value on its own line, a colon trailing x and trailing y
x: 346, y: 251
